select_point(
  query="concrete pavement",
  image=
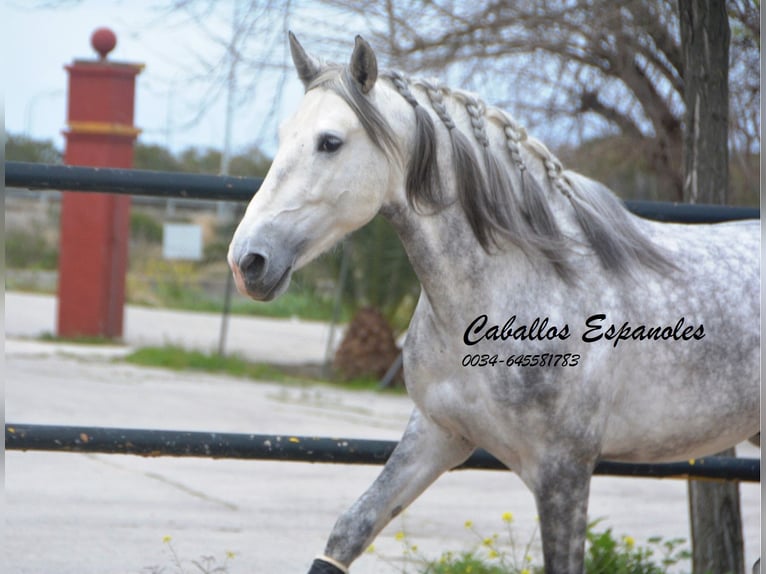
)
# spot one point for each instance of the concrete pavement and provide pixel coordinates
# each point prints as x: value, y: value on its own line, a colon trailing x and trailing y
x: 72, y: 513
x: 283, y: 341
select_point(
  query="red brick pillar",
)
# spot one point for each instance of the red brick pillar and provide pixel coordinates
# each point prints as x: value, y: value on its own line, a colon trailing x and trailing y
x: 95, y: 227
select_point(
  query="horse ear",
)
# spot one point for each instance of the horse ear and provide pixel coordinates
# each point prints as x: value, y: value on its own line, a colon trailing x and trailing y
x: 307, y: 66
x: 364, y: 65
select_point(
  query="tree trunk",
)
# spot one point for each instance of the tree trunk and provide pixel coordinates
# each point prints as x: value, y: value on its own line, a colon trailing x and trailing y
x: 716, y: 524
x: 705, y: 45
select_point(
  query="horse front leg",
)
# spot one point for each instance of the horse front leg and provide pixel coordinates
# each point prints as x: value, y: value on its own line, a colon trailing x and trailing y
x: 423, y: 454
x: 561, y: 493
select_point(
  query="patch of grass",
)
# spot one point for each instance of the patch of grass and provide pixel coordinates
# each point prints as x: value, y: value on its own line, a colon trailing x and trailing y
x: 465, y: 562
x: 291, y: 304
x: 180, y: 359
x: 294, y: 303
x: 85, y: 340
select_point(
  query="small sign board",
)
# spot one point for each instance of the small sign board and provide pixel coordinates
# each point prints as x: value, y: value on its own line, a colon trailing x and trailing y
x: 182, y: 241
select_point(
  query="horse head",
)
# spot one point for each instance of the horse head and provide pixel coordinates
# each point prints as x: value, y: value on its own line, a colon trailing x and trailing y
x: 330, y: 176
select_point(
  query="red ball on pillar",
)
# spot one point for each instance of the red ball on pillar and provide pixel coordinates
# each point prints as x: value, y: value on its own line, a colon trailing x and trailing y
x: 103, y: 41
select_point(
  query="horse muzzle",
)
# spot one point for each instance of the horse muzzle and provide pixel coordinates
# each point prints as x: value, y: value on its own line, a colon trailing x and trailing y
x: 261, y: 270
x: 255, y: 277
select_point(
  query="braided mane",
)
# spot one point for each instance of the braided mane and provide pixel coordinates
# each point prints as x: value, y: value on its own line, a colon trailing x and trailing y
x: 485, y: 184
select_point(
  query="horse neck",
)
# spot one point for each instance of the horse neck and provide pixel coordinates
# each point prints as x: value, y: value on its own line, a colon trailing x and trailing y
x: 498, y: 212
x: 450, y: 261
x: 458, y: 276
x: 444, y: 254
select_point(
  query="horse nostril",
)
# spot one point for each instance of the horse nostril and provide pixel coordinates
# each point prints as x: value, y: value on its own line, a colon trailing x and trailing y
x: 253, y: 266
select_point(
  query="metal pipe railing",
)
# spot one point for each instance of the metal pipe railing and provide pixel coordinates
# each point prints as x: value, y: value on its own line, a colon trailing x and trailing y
x: 151, y: 443
x: 230, y: 188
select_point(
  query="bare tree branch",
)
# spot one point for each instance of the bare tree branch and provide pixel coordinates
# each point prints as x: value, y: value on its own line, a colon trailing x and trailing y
x: 630, y: 50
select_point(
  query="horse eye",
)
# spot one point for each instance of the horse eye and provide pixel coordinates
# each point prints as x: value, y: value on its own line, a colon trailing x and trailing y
x: 329, y: 143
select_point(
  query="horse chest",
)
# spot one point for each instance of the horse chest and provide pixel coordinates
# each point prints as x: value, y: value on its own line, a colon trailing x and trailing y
x: 485, y: 405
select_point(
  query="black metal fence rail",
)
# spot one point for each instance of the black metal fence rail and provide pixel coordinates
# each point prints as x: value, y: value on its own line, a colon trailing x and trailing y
x: 130, y: 181
x: 314, y: 449
x: 229, y: 188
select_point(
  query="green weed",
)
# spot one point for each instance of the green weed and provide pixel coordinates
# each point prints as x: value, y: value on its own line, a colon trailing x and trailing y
x: 205, y: 564
x: 500, y: 553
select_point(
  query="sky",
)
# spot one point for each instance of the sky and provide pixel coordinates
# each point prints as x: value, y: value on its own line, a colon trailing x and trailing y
x: 42, y: 40
x: 45, y: 35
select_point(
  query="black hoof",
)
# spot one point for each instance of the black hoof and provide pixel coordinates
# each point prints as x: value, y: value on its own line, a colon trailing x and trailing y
x: 319, y: 566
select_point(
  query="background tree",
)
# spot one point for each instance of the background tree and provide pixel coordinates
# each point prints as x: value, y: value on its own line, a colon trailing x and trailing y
x: 583, y: 67
x: 744, y: 97
x: 705, y: 40
x: 23, y: 148
x: 716, y: 524
x: 239, y: 40
x: 155, y: 157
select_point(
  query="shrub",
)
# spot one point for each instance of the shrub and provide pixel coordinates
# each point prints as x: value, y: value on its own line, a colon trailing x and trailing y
x: 144, y: 227
x: 29, y: 250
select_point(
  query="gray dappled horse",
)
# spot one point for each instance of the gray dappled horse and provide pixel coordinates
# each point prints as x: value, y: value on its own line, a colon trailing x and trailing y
x: 554, y: 328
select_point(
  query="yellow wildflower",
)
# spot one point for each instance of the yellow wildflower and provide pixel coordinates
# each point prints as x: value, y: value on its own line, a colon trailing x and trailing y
x: 399, y: 536
x: 468, y: 524
x: 371, y: 549
x: 507, y: 517
x: 166, y: 539
x: 525, y: 571
x: 230, y: 555
x: 493, y: 554
x: 629, y: 541
x: 488, y: 542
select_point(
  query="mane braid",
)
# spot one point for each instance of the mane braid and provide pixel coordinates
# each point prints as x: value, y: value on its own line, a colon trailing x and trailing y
x: 423, y: 180
x: 530, y: 224
x: 496, y: 202
x: 615, y: 239
x: 534, y: 206
x: 469, y: 178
